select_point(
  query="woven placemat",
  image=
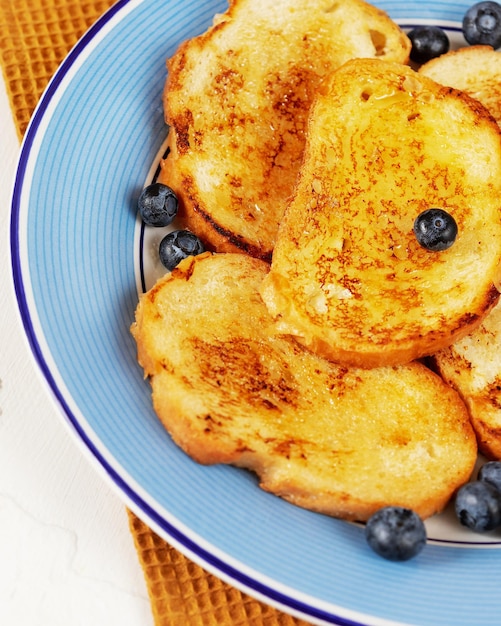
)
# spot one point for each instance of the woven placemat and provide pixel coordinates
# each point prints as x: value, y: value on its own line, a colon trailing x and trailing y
x: 35, y: 36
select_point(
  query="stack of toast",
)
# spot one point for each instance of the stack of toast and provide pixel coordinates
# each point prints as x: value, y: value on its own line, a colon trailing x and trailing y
x: 302, y: 150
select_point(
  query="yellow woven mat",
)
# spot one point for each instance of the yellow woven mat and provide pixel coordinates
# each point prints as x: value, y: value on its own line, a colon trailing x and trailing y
x: 35, y: 36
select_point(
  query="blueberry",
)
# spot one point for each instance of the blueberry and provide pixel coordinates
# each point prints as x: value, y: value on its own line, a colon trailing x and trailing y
x: 435, y: 229
x: 491, y: 473
x: 178, y: 245
x: 482, y: 24
x: 395, y: 533
x: 478, y: 506
x: 427, y: 42
x: 157, y: 205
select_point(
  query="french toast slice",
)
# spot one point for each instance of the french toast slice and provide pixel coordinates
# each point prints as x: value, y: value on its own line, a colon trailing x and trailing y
x: 237, y: 99
x: 472, y: 366
x: 338, y: 440
x: 476, y: 70
x: 348, y: 277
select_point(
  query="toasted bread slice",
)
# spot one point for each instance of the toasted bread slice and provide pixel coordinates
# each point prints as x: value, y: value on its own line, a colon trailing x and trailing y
x: 237, y: 99
x: 328, y: 438
x: 473, y: 367
x: 475, y: 70
x: 348, y: 277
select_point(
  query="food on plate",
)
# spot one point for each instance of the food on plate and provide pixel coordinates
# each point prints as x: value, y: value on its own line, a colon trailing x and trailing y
x: 396, y: 533
x: 157, y: 205
x: 472, y: 366
x: 490, y: 472
x: 338, y: 440
x: 482, y: 24
x: 427, y: 42
x: 435, y: 229
x: 177, y: 245
x: 375, y: 191
x: 237, y: 100
x: 475, y: 70
x: 348, y: 277
x: 478, y: 506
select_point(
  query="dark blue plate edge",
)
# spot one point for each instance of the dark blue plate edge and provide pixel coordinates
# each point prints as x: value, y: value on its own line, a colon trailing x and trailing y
x: 213, y: 562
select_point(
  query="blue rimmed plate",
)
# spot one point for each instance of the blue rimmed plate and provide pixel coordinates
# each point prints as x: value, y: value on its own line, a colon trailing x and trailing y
x: 79, y: 258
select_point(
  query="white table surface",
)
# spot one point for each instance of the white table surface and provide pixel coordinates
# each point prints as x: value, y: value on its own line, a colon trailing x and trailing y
x: 67, y: 557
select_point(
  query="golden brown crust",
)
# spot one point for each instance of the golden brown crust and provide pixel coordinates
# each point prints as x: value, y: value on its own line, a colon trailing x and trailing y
x: 476, y: 70
x: 237, y: 99
x: 348, y: 277
x: 337, y: 440
x: 472, y: 366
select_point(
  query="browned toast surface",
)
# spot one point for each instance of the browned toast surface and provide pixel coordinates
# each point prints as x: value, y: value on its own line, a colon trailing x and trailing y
x: 348, y: 277
x: 472, y: 365
x: 237, y: 100
x: 476, y: 70
x: 338, y: 440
